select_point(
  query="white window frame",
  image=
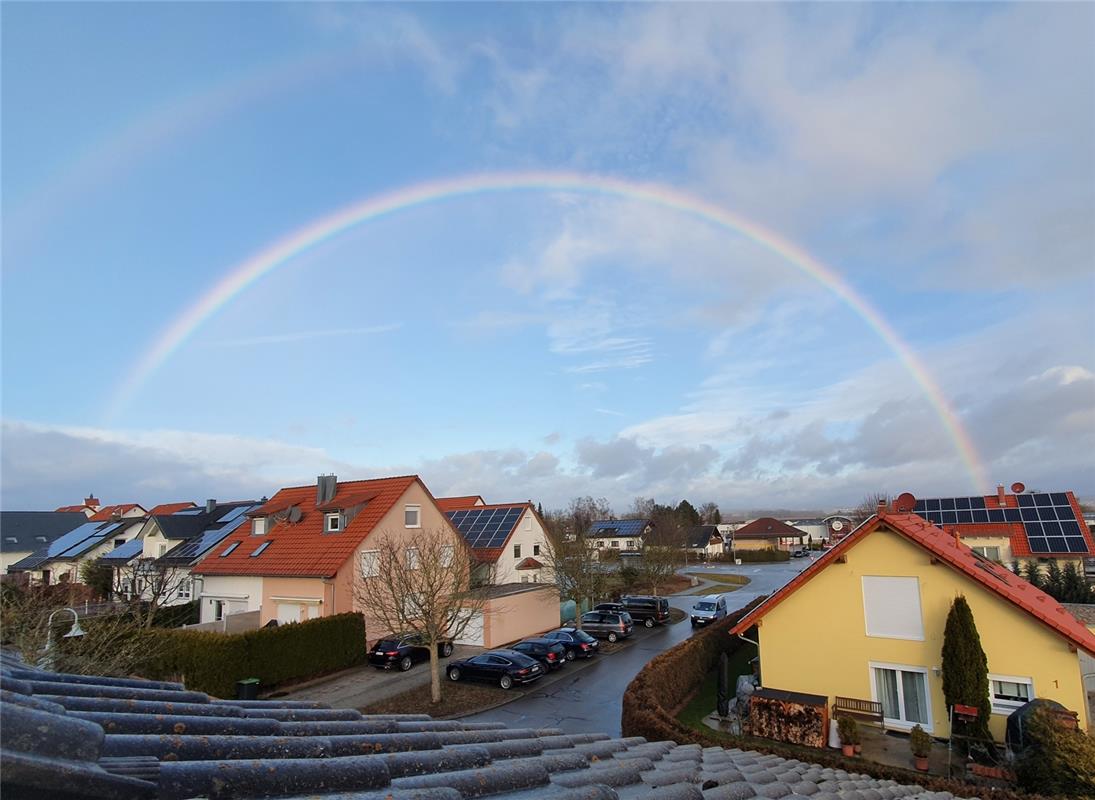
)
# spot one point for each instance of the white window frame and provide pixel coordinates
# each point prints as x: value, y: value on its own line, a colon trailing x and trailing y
x: 258, y: 526
x: 417, y: 510
x: 1005, y: 707
x: 981, y: 548
x: 536, y: 549
x: 902, y: 724
x: 412, y: 557
x: 370, y: 563
x: 336, y: 519
x: 517, y: 551
x: 448, y: 554
x: 184, y: 588
x: 218, y: 610
x: 616, y: 543
x: 866, y: 618
x: 162, y: 550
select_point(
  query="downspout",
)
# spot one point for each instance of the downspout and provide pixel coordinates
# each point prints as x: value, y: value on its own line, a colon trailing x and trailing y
x: 743, y: 637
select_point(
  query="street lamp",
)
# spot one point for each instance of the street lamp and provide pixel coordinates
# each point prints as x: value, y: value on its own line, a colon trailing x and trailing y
x: 47, y: 660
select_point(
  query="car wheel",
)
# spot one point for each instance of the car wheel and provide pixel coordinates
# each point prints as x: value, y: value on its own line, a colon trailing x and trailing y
x: 446, y: 650
x: 612, y: 637
x: 454, y: 673
x: 506, y: 682
x: 570, y: 655
x: 405, y: 663
x: 648, y: 622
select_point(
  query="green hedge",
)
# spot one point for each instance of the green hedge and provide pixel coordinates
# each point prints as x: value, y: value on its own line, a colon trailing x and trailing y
x: 213, y: 662
x: 756, y: 556
x: 666, y: 683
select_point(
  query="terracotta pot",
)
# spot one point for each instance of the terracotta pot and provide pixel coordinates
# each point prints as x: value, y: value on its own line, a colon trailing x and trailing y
x: 922, y: 763
x: 848, y: 749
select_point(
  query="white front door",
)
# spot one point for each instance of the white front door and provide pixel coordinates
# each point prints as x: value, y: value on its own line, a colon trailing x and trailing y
x: 903, y: 692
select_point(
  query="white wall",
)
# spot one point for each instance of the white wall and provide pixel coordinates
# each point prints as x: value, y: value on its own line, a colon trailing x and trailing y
x: 529, y: 535
x: 238, y: 593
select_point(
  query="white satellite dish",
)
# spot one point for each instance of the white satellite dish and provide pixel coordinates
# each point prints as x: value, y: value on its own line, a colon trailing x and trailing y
x: 838, y: 525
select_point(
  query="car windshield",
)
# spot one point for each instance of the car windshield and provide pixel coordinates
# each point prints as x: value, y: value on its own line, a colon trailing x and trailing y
x: 705, y: 606
x: 387, y: 644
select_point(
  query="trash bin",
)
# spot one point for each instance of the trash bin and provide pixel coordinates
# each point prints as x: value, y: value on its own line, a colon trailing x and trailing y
x: 247, y: 689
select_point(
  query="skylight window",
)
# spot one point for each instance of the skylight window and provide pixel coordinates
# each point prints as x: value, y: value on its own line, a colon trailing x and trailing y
x: 13, y: 540
x: 229, y: 549
x: 259, y: 549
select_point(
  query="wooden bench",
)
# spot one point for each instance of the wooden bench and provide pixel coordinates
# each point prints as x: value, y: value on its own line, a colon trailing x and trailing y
x: 864, y: 709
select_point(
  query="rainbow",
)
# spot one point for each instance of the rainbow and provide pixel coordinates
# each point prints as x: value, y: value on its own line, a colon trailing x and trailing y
x: 242, y: 275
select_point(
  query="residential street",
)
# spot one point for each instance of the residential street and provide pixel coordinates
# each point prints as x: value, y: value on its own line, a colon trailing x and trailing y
x: 590, y: 700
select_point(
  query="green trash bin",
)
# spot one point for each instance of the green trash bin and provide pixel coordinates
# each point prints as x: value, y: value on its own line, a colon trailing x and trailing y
x: 247, y: 689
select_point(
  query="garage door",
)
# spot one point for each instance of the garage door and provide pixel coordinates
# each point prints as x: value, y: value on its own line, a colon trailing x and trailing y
x: 473, y: 633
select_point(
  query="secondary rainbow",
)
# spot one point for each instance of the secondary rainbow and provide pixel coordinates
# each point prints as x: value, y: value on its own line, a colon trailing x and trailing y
x: 242, y: 275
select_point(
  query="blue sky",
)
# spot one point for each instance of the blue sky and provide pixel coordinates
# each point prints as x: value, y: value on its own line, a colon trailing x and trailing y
x: 547, y: 344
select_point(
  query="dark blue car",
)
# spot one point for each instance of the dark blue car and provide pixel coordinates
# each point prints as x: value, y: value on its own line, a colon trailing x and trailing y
x: 504, y: 667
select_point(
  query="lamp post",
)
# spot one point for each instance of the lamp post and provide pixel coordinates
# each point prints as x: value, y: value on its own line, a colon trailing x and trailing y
x: 47, y: 661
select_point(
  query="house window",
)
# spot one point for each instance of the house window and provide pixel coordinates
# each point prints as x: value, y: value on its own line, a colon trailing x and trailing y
x: 528, y: 522
x: 600, y: 544
x: 334, y: 523
x: 616, y: 543
x: 891, y: 608
x: 259, y: 550
x: 229, y: 549
x: 412, y: 516
x: 536, y: 549
x: 903, y: 692
x: 258, y: 526
x: 412, y: 606
x: 370, y: 563
x: 161, y: 549
x: 218, y: 610
x: 412, y: 557
x: 184, y: 588
x: 524, y: 579
x: 535, y: 577
x: 1008, y: 692
x: 630, y: 544
x: 448, y: 552
x: 991, y: 553
x: 517, y: 551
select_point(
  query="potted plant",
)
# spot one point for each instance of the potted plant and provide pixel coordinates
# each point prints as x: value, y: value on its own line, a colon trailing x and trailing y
x: 849, y: 734
x: 921, y: 744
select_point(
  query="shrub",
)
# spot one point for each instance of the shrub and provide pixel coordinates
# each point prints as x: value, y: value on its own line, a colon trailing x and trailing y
x: 920, y: 742
x: 848, y: 730
x: 213, y: 662
x: 1058, y: 760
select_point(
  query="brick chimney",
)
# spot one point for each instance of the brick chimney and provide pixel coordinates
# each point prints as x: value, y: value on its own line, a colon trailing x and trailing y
x: 1000, y: 494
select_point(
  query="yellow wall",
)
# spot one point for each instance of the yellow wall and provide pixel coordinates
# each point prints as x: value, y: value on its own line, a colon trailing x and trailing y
x: 755, y: 544
x: 288, y: 590
x: 815, y: 640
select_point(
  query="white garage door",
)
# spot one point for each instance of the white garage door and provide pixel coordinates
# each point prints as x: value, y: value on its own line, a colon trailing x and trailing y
x: 473, y: 633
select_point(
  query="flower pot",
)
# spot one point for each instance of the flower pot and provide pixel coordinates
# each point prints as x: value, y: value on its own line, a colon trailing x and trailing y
x: 922, y: 763
x: 848, y: 749
x: 858, y: 748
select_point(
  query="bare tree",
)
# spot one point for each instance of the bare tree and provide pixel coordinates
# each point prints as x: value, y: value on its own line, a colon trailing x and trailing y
x: 584, y: 511
x: 867, y: 508
x: 149, y: 585
x: 573, y: 564
x: 710, y: 514
x: 420, y: 585
x: 641, y: 508
x: 663, y: 549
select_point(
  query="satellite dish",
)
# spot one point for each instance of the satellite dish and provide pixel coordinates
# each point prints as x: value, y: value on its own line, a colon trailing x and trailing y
x: 1018, y: 488
x: 838, y: 525
x: 904, y: 503
x: 294, y: 514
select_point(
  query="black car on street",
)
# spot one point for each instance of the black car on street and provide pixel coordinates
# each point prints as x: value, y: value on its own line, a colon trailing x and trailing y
x: 504, y: 667
x: 548, y: 652
x: 404, y: 651
x: 578, y: 644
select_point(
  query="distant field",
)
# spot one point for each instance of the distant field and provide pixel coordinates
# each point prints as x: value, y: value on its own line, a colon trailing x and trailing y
x: 726, y: 583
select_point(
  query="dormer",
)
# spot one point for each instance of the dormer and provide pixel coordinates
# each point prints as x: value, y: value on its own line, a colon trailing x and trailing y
x: 333, y: 522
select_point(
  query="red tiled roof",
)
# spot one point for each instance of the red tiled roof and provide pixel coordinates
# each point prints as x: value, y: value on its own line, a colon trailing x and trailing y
x: 74, y: 508
x: 767, y: 528
x: 530, y: 563
x: 947, y: 549
x: 487, y: 555
x: 171, y: 508
x: 302, y: 549
x: 343, y: 500
x: 105, y: 513
x: 459, y: 503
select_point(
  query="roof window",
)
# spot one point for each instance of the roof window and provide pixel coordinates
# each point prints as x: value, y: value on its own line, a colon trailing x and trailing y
x: 229, y: 549
x: 259, y: 549
x: 13, y: 540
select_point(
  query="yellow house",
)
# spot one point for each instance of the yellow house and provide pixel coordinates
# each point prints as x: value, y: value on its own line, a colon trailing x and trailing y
x: 866, y: 621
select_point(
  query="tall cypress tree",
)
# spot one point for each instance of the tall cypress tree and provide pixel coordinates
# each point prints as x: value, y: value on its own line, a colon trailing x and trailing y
x: 1033, y: 574
x: 1055, y: 582
x: 966, y: 670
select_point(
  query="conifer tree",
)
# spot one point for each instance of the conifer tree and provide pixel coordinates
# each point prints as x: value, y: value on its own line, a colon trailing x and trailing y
x: 1033, y: 574
x: 1055, y: 583
x: 1076, y: 589
x: 966, y: 670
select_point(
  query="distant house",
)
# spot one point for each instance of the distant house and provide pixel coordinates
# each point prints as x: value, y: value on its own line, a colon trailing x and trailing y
x: 875, y: 606
x: 703, y: 541
x: 24, y: 532
x: 1017, y: 526
x: 60, y: 560
x: 90, y: 505
x: 508, y: 539
x: 622, y: 535
x: 767, y: 533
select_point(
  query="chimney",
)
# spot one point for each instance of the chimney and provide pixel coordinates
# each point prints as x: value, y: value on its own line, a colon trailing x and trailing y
x: 882, y: 506
x: 1000, y: 494
x: 957, y: 538
x: 210, y: 505
x: 326, y: 485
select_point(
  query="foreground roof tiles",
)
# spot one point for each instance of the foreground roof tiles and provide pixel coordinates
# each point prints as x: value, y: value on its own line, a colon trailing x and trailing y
x: 88, y: 737
x: 303, y: 548
x: 950, y: 551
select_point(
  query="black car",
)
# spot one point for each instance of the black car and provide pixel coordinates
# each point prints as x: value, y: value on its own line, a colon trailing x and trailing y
x: 404, y: 651
x: 646, y: 609
x: 504, y: 667
x: 548, y: 652
x: 577, y: 643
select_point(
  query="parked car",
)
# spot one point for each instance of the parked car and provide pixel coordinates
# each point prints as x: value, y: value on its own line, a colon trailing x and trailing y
x: 618, y: 608
x: 801, y: 552
x: 646, y: 609
x: 504, y: 667
x: 708, y: 609
x: 607, y: 625
x: 404, y: 651
x: 577, y: 643
x: 550, y: 653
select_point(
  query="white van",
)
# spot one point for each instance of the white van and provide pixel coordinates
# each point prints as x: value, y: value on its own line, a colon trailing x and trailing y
x: 708, y: 609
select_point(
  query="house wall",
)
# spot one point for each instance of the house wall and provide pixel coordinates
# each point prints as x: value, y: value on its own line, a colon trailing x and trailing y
x: 755, y: 544
x: 529, y: 535
x: 238, y: 592
x: 518, y: 616
x: 306, y: 598
x: 826, y: 615
x: 391, y: 524
x: 621, y: 543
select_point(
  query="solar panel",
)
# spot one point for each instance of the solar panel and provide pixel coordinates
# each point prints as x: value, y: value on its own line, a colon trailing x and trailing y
x: 486, y: 527
x: 235, y: 513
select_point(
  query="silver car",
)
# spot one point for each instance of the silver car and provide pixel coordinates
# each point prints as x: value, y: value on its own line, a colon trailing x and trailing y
x: 607, y: 625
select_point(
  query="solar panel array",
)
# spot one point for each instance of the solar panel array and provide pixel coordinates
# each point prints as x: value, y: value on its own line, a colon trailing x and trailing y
x: 486, y: 527
x: 1048, y: 518
x: 617, y: 527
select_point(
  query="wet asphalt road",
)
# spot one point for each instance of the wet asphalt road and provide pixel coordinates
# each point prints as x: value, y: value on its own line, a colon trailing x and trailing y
x: 590, y: 700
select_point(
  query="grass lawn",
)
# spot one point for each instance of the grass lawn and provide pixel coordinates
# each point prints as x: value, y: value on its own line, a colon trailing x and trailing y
x: 457, y: 699
x: 706, y: 697
x: 736, y: 581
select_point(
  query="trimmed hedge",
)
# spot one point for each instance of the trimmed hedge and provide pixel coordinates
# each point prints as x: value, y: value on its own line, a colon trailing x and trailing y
x: 213, y: 662
x: 757, y: 556
x: 664, y: 684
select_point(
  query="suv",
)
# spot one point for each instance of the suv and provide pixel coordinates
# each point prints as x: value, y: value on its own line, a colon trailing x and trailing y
x: 404, y: 651
x: 708, y: 609
x: 616, y: 608
x: 647, y: 609
x: 607, y: 624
